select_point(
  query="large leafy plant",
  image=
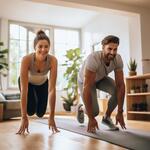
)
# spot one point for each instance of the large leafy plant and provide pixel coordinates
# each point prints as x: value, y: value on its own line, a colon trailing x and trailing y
x: 72, y: 64
x: 3, y: 60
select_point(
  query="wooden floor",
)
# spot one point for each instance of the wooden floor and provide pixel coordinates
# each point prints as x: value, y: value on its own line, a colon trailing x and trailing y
x: 40, y: 138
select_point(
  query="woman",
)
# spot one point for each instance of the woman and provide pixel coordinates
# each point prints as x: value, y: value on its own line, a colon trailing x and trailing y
x: 36, y: 89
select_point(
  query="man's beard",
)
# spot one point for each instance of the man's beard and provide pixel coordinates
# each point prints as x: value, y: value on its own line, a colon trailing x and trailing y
x: 110, y: 57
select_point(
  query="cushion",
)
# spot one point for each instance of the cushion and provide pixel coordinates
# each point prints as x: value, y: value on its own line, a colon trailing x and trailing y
x: 12, y: 105
x: 2, y: 98
x: 14, y: 96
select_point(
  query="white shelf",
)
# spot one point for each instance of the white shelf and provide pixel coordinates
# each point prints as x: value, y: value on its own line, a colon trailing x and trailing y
x: 139, y: 112
x: 138, y: 94
x: 139, y: 77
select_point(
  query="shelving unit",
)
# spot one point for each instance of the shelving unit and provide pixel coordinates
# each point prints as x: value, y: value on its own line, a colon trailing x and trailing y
x: 137, y: 98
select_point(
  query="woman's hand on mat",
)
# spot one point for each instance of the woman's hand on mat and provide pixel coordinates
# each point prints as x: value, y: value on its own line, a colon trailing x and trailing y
x: 120, y: 120
x: 92, y: 125
x: 52, y: 125
x: 24, y: 125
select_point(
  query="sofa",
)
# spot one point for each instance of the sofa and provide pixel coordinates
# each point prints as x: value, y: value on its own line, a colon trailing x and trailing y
x: 9, y: 106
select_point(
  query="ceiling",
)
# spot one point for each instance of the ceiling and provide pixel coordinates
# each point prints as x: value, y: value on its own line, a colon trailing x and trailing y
x: 139, y: 3
x: 50, y: 14
x: 28, y: 11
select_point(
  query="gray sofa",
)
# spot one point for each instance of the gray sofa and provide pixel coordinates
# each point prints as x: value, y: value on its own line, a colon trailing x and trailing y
x: 10, y: 105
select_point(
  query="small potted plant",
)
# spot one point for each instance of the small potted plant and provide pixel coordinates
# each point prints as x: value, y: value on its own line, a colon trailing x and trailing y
x: 132, y: 67
x: 68, y: 101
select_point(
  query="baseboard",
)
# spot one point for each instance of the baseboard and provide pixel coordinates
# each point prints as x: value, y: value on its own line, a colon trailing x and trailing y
x: 66, y: 113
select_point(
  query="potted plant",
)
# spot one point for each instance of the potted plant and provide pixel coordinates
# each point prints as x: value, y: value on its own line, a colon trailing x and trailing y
x: 3, y: 62
x: 72, y: 64
x: 132, y: 67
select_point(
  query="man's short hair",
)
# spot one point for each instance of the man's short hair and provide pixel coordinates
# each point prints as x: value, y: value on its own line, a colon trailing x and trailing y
x: 110, y: 39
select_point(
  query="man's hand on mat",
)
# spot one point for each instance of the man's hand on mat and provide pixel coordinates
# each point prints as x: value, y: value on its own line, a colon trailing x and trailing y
x: 120, y: 120
x: 92, y: 125
x: 24, y: 126
x: 52, y: 125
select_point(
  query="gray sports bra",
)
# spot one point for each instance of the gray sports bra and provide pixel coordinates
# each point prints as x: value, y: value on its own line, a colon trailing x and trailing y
x: 35, y: 77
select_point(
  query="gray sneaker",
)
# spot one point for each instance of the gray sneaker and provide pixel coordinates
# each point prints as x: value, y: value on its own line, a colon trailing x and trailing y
x: 80, y: 114
x: 108, y: 122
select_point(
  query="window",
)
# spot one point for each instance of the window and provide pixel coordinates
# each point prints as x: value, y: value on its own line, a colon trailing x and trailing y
x: 20, y: 43
x: 64, y: 39
x: 17, y: 49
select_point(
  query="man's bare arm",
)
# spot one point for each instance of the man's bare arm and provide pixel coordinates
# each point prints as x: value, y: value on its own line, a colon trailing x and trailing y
x: 89, y: 80
x: 119, y: 78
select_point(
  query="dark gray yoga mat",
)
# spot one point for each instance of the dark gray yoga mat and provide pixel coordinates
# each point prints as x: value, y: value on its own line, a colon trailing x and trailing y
x: 130, y: 138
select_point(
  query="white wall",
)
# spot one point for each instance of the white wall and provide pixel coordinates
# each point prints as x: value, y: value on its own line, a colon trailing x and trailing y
x: 122, y: 26
x: 4, y: 31
x: 145, y: 34
x: 0, y: 28
x: 135, y: 48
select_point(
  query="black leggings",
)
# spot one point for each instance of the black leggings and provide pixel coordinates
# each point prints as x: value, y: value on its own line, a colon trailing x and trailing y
x: 37, y: 98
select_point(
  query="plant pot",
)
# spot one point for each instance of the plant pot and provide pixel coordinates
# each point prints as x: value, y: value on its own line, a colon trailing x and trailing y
x: 132, y: 73
x: 67, y: 107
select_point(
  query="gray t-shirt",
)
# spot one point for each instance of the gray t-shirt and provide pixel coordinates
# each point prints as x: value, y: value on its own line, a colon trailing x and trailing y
x: 95, y: 63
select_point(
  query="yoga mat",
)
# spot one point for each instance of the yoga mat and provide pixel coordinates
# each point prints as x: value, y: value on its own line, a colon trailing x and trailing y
x: 131, y: 138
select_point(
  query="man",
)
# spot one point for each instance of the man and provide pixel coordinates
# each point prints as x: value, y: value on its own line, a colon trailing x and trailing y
x: 94, y: 75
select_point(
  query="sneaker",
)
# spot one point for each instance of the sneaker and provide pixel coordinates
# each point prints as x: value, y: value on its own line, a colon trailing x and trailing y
x: 108, y: 122
x: 80, y: 114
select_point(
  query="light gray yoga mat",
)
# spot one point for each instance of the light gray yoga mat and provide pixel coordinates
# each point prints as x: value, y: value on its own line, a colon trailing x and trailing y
x: 130, y: 138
